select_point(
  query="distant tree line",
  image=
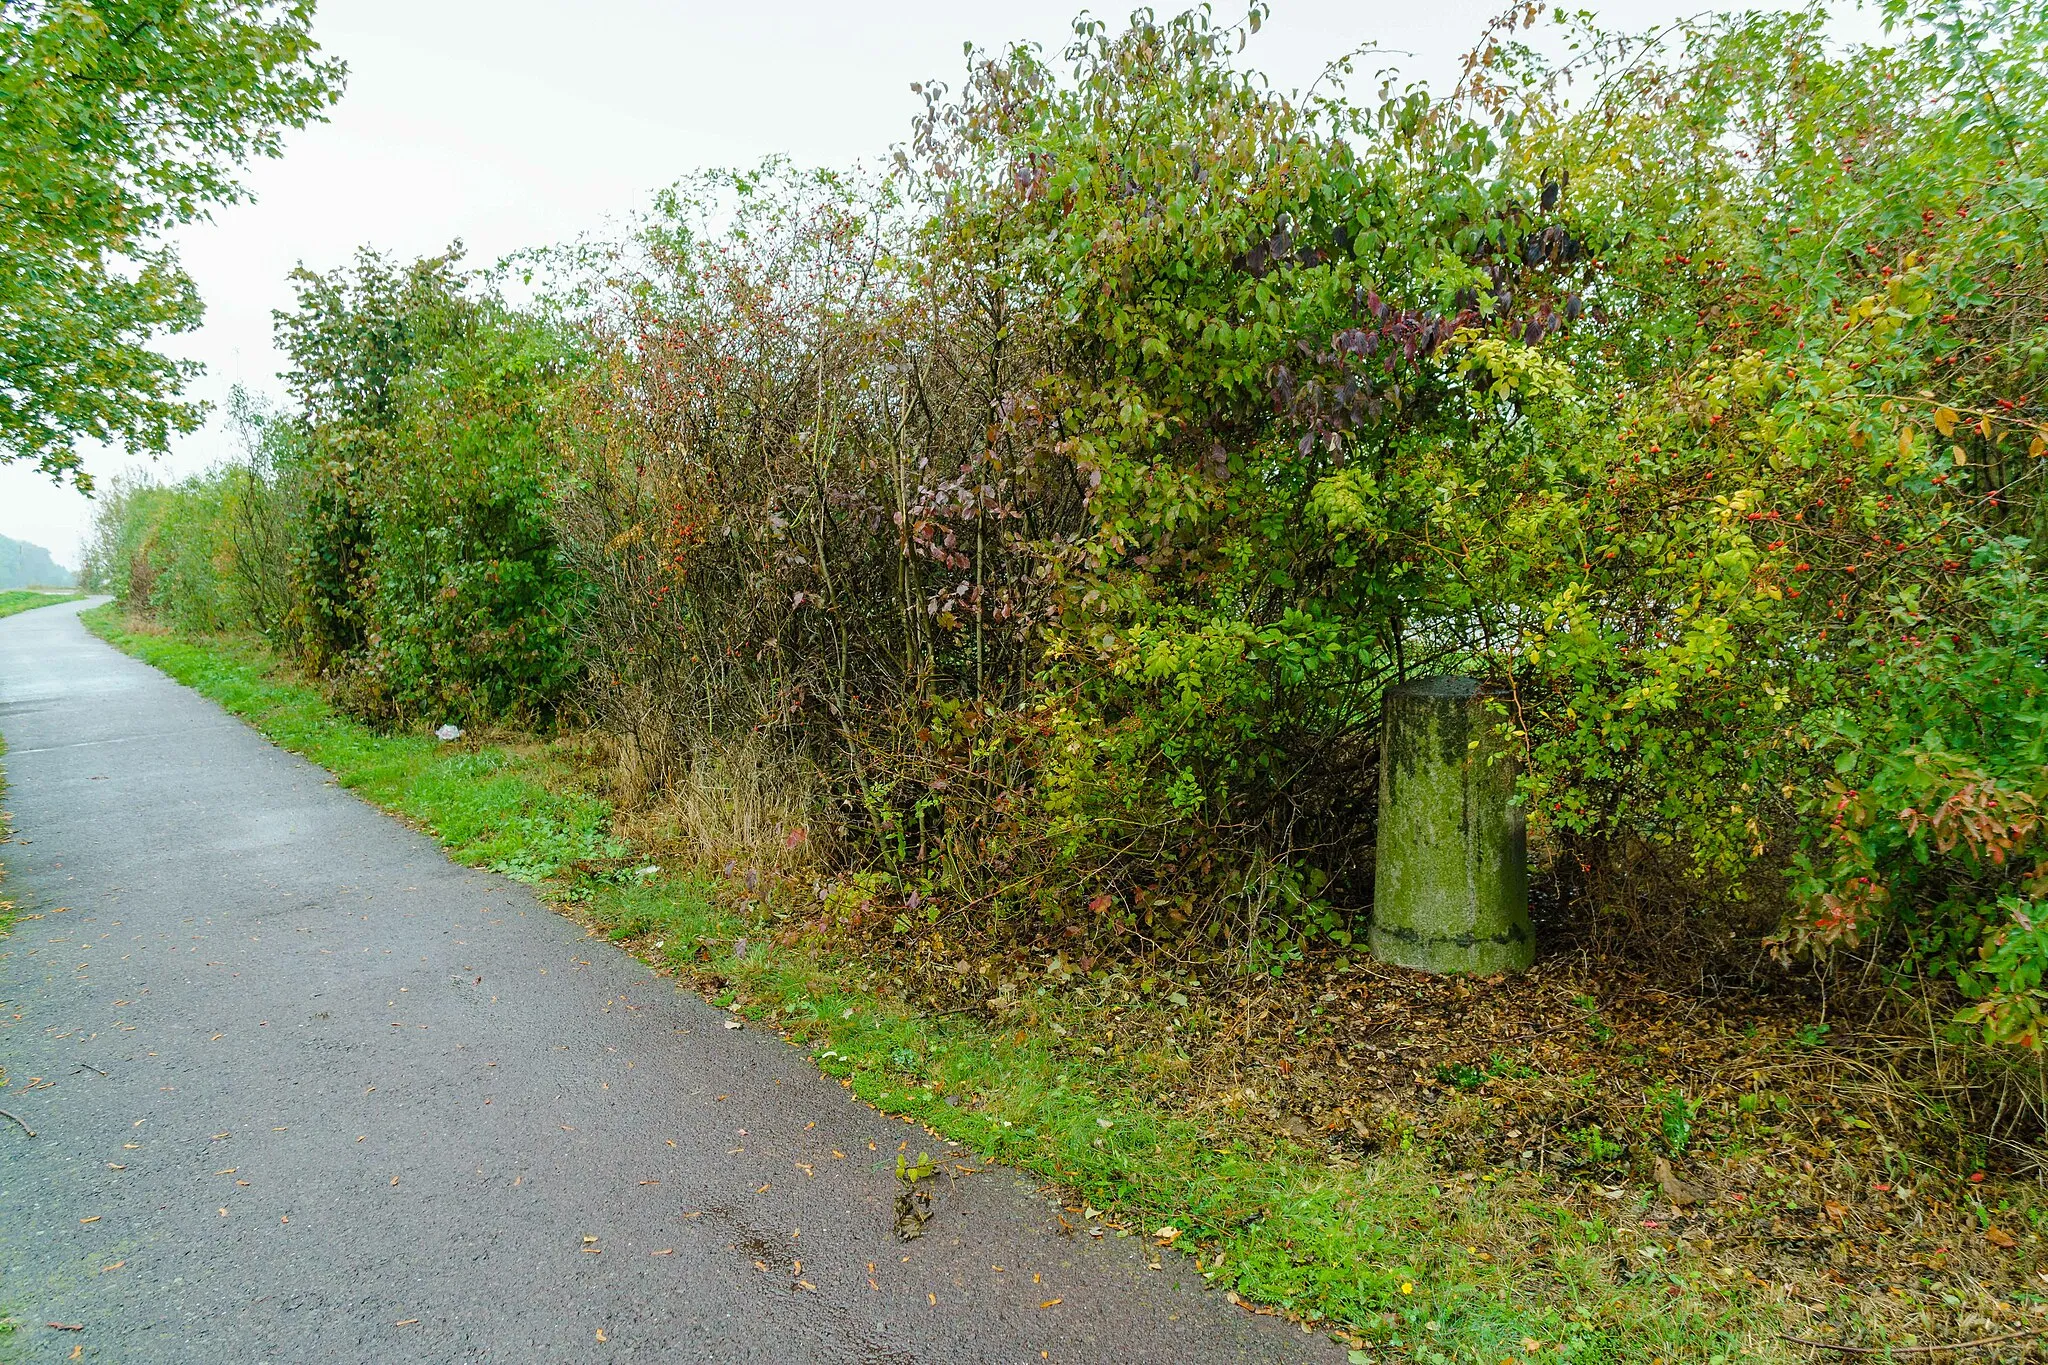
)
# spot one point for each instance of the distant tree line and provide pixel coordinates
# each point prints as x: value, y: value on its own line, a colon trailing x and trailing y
x: 23, y: 565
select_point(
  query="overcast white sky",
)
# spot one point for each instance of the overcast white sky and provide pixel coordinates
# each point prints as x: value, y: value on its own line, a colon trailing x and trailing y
x: 517, y: 123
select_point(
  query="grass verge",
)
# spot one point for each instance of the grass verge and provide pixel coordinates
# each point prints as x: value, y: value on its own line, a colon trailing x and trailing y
x: 1392, y: 1253
x: 23, y: 599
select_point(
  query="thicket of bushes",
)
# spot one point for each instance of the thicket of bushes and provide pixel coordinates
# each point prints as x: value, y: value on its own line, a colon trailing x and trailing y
x: 1055, y: 508
x: 392, y: 529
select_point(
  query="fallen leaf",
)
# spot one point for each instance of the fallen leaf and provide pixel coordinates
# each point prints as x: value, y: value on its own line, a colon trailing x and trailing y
x: 806, y: 1284
x: 600, y: 1334
x: 1166, y: 1235
x: 1052, y: 1303
x: 665, y: 1251
x: 1999, y: 1237
x: 94, y: 1219
x: 732, y: 1023
x: 66, y: 1326
x: 1834, y: 1211
x: 1679, y: 1192
x: 934, y: 1299
x: 115, y: 1266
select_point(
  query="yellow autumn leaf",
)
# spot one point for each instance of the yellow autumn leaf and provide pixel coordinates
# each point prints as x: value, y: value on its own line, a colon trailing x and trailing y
x: 1945, y: 421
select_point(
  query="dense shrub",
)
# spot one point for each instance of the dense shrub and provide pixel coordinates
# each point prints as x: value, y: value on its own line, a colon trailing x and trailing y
x: 427, y: 580
x: 1047, y: 517
x: 788, y: 486
x: 393, y: 529
x: 210, y: 553
x: 1777, y: 552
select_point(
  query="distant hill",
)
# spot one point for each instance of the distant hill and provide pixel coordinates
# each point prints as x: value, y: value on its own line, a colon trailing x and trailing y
x: 23, y: 565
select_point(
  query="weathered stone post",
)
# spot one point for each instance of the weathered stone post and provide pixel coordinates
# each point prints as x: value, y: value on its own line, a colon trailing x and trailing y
x: 1451, y: 882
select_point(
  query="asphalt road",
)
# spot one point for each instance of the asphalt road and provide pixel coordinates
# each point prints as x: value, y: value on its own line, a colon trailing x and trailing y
x: 303, y: 1090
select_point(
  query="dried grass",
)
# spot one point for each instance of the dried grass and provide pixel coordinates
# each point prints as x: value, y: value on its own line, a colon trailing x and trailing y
x: 741, y: 805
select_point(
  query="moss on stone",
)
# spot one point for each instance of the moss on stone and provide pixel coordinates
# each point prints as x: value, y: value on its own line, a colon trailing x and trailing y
x: 1451, y: 884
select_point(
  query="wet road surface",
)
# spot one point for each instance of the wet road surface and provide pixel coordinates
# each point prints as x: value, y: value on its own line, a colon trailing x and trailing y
x: 304, y: 1090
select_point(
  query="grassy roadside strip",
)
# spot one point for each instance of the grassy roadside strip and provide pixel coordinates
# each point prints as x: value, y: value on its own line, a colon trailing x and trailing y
x: 1395, y: 1257
x: 22, y: 599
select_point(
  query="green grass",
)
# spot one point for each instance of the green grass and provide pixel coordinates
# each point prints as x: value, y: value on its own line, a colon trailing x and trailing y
x: 1408, y: 1262
x: 21, y: 599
